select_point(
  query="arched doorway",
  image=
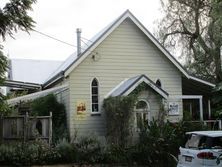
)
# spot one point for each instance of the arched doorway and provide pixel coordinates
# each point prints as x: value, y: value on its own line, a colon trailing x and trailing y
x: 141, y: 114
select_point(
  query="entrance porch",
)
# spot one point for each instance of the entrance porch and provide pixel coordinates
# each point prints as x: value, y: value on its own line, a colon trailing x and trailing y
x: 196, y: 99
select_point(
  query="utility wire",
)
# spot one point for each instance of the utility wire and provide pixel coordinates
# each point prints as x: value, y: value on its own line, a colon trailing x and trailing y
x: 64, y: 41
x: 84, y: 43
x: 87, y: 39
x: 54, y: 38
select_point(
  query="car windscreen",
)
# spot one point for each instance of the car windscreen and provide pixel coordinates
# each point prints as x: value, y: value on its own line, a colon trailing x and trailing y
x: 203, y: 142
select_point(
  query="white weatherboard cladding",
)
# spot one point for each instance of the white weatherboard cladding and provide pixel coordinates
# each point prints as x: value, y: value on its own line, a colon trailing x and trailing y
x: 125, y: 53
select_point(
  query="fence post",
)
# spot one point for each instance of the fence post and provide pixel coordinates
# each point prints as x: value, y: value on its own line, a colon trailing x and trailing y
x: 25, y: 133
x: 50, y: 128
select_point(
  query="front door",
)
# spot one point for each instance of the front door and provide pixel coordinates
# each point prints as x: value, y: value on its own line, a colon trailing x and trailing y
x: 141, y: 114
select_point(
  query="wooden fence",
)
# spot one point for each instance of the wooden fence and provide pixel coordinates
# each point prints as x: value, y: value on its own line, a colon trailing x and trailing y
x: 26, y: 128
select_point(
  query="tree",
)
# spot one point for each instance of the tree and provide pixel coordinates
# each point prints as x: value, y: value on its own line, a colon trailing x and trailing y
x: 13, y: 17
x: 196, y: 27
x: 3, y: 65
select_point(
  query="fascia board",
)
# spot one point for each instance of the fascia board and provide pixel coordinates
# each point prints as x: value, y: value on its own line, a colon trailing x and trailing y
x: 157, y: 44
x: 147, y: 82
x: 202, y: 81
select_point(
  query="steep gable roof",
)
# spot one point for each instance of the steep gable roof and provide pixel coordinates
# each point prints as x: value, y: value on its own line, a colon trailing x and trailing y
x: 70, y: 66
x: 127, y: 86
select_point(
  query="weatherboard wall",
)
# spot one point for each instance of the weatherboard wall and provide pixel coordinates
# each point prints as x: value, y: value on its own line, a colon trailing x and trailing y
x: 125, y: 53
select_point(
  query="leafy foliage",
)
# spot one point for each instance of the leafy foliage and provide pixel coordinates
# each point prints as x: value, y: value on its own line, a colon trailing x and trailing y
x: 118, y: 119
x: 4, y: 107
x: 29, y: 153
x: 195, y: 26
x: 3, y: 66
x: 159, y: 144
x: 157, y: 147
x: 217, y: 100
x: 67, y: 151
x: 43, y: 106
x: 118, y: 155
x: 141, y: 87
x: 14, y: 16
x: 88, y: 150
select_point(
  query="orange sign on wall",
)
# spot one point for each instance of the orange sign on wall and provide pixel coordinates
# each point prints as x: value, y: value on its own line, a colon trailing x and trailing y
x: 81, y: 107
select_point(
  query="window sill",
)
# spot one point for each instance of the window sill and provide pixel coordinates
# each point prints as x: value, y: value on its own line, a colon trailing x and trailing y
x: 96, y: 114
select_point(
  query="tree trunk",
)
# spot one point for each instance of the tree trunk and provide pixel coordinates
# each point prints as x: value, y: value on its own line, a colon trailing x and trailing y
x: 218, y: 68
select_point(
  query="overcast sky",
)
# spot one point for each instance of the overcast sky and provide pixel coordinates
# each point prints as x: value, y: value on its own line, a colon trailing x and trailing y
x: 60, y: 18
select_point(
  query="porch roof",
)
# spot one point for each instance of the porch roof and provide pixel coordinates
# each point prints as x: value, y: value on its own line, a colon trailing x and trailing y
x: 128, y: 85
x: 193, y: 87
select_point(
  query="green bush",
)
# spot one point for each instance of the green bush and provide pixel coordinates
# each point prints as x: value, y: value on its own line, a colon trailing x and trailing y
x: 118, y: 119
x: 159, y: 144
x: 67, y: 151
x: 88, y: 150
x: 156, y: 144
x: 36, y: 152
x: 118, y: 155
x: 43, y: 106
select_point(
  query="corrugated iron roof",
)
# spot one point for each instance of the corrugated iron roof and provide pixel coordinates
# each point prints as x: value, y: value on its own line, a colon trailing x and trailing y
x: 73, y: 60
x: 127, y: 86
x: 36, y: 95
x: 33, y: 71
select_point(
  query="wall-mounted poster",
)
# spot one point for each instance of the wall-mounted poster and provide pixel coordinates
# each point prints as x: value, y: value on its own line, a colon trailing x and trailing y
x: 173, y: 108
x: 81, y: 107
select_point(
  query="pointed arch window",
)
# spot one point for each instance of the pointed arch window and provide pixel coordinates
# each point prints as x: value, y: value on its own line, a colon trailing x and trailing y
x: 158, y: 83
x: 95, y: 95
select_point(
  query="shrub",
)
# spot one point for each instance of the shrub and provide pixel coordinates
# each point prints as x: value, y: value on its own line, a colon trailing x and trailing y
x: 35, y: 152
x: 4, y: 107
x: 43, y: 106
x: 159, y: 144
x: 89, y: 150
x: 155, y: 145
x: 67, y: 151
x: 118, y: 155
x: 118, y: 119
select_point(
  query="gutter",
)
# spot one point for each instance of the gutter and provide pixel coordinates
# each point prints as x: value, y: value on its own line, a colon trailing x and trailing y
x: 57, y: 77
x: 19, y: 84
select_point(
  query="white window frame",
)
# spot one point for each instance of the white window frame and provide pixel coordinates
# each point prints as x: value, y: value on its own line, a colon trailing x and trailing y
x: 91, y: 103
x: 141, y: 111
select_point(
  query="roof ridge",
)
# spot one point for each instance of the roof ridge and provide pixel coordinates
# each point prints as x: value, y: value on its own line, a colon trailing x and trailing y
x: 108, y: 30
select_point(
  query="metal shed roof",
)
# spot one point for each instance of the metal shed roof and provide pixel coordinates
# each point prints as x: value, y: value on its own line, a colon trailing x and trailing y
x: 32, y: 71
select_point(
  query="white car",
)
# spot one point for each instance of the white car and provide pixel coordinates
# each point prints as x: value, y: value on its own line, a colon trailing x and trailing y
x: 202, y: 149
